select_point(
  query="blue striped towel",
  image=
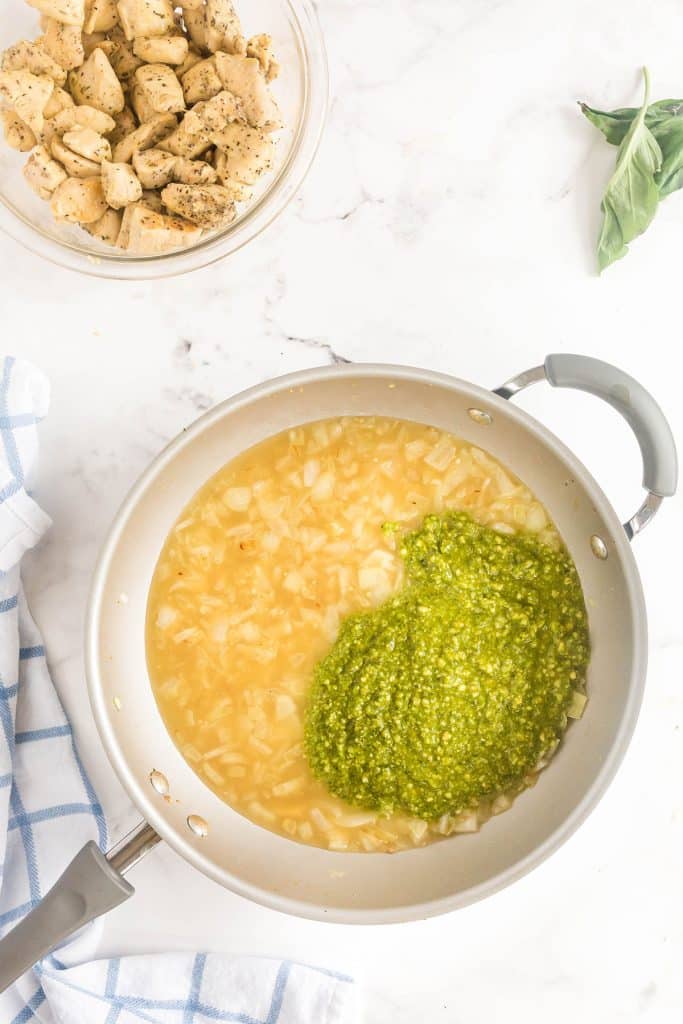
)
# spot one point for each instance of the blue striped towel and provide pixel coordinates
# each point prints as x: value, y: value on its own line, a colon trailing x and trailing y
x: 48, y: 810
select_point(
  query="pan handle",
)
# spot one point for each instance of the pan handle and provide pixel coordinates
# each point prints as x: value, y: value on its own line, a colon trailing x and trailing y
x: 91, y: 885
x: 636, y: 405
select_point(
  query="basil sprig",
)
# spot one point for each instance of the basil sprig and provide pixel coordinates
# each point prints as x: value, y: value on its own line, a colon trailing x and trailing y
x: 615, y: 123
x: 665, y: 121
x: 632, y: 194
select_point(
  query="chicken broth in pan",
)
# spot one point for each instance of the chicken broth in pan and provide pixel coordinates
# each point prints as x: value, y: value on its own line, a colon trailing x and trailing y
x: 308, y: 628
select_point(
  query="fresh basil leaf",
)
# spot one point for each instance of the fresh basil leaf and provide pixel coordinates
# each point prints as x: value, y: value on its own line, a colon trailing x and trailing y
x: 669, y: 135
x: 631, y: 198
x: 662, y: 110
x: 615, y: 123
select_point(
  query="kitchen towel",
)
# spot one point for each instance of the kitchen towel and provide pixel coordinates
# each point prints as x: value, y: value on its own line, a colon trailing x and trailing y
x: 48, y: 810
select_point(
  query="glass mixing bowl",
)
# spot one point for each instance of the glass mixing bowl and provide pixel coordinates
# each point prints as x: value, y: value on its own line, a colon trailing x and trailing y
x: 301, y: 91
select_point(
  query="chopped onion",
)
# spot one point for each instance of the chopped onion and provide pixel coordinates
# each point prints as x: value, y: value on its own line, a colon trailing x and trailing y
x: 212, y: 775
x: 284, y: 707
x: 289, y: 787
x: 536, y: 519
x: 311, y: 472
x: 359, y: 820
x: 293, y: 582
x: 466, y: 823
x: 576, y: 708
x: 319, y: 819
x: 166, y: 616
x: 441, y: 457
x: 417, y: 830
x: 237, y: 498
x: 324, y: 487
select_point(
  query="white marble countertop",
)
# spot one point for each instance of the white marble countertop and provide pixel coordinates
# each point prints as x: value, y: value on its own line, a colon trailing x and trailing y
x: 449, y: 222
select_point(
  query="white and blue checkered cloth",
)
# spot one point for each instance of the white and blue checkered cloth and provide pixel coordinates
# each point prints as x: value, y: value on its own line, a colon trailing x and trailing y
x: 48, y: 810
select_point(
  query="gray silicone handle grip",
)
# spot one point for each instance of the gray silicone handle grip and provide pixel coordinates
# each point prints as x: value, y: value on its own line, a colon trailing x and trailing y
x: 89, y: 887
x: 636, y: 405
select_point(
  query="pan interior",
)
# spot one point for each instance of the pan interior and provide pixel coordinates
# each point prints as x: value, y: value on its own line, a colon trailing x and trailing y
x: 338, y: 886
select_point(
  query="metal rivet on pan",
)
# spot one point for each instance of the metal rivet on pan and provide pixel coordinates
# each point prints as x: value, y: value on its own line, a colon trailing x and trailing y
x: 116, y: 701
x: 598, y: 547
x: 481, y: 417
x: 159, y: 782
x: 198, y: 826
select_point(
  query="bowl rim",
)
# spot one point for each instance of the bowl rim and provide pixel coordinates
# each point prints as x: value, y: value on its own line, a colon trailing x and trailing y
x: 151, y: 810
x: 281, y: 190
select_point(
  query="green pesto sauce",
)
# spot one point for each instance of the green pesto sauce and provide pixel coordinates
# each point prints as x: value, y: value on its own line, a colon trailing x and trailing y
x: 452, y: 690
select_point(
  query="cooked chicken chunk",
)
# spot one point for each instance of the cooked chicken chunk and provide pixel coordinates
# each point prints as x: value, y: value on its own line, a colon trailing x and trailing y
x: 76, y: 166
x: 208, y: 206
x: 144, y: 137
x: 90, y: 117
x: 48, y: 133
x: 124, y: 124
x: 161, y: 49
x: 121, y: 185
x: 96, y: 84
x: 70, y: 12
x: 100, y: 16
x: 248, y: 151
x: 99, y: 41
x: 193, y: 172
x: 83, y: 116
x: 78, y: 201
x: 261, y: 47
x: 190, y: 138
x: 152, y: 200
x: 243, y: 77
x: 88, y: 143
x: 224, y: 31
x: 192, y: 58
x: 18, y: 135
x: 239, y: 192
x: 148, y: 233
x: 154, y: 168
x: 139, y: 101
x: 146, y: 17
x: 25, y: 56
x: 161, y: 88
x: 58, y: 101
x: 225, y: 108
x: 107, y: 228
x: 64, y: 43
x: 124, y: 231
x: 201, y: 82
x: 197, y: 29
x: 43, y: 173
x: 28, y: 94
x: 123, y: 60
